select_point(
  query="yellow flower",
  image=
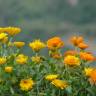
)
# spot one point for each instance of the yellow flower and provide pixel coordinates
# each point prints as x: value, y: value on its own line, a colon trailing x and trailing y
x: 51, y: 77
x: 5, y: 40
x: 8, y: 69
x: 71, y: 60
x: 2, y: 60
x: 36, y: 59
x: 55, y: 43
x: 26, y: 84
x: 19, y: 44
x: 2, y: 30
x: 3, y: 35
x: 36, y: 45
x: 21, y: 59
x: 88, y: 71
x: 59, y: 83
x: 12, y: 30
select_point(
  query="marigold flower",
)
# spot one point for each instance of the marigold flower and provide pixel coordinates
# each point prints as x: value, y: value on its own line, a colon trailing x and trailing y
x: 8, y: 69
x: 82, y: 46
x: 71, y: 60
x: 3, y: 35
x: 51, y: 77
x: 19, y: 44
x: 59, y: 83
x: 93, y: 77
x: 36, y: 59
x: 36, y: 45
x: 21, y: 59
x: 26, y: 84
x: 70, y: 52
x: 12, y: 30
x: 55, y: 43
x: 76, y: 40
x: 86, y: 56
x: 2, y: 60
x: 88, y: 71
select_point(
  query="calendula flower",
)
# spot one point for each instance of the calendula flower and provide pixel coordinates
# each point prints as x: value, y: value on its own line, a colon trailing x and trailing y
x: 2, y: 60
x: 19, y: 44
x: 51, y: 77
x: 3, y: 35
x: 55, y: 43
x: 12, y: 30
x: 86, y: 56
x: 82, y: 46
x: 36, y: 59
x: 71, y: 60
x: 60, y: 83
x: 76, y: 40
x: 37, y: 45
x: 26, y: 84
x: 8, y: 69
x: 88, y: 71
x: 71, y: 52
x: 21, y: 59
x: 93, y: 77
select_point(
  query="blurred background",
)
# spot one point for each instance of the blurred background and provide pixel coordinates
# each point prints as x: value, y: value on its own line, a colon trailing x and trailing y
x: 43, y: 19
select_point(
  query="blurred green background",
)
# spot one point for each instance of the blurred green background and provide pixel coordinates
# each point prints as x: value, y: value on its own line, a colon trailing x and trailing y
x: 46, y: 18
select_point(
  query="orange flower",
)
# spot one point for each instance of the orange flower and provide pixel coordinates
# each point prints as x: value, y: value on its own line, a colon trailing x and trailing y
x: 55, y: 43
x: 86, y: 56
x: 71, y: 60
x: 70, y: 52
x: 82, y: 46
x: 76, y: 40
x: 93, y: 76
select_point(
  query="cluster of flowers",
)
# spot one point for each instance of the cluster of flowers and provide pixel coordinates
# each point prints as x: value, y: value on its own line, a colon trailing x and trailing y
x: 70, y: 74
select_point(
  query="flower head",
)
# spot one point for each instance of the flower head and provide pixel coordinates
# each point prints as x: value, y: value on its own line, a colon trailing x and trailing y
x: 76, y: 40
x: 51, y: 77
x: 86, y: 56
x: 2, y: 60
x: 21, y: 59
x: 59, y: 83
x: 71, y: 60
x: 12, y: 30
x: 26, y: 84
x: 70, y: 52
x: 8, y: 69
x: 82, y: 46
x: 55, y: 43
x: 36, y: 45
x: 19, y: 44
x: 88, y: 71
x: 3, y: 35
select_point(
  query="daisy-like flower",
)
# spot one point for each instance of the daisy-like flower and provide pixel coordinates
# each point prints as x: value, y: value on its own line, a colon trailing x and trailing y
x: 37, y: 45
x: 21, y: 59
x: 71, y: 60
x: 12, y: 30
x: 19, y: 44
x: 51, y: 77
x: 59, y: 83
x: 2, y: 60
x: 8, y: 69
x: 55, y: 43
x: 26, y: 84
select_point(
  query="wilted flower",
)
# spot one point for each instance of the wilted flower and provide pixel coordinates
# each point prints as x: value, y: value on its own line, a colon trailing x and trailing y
x: 26, y: 84
x: 51, y: 77
x: 8, y: 69
x: 19, y: 44
x: 21, y: 59
x: 12, y: 30
x: 60, y: 83
x: 55, y: 43
x: 71, y: 60
x: 36, y: 45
